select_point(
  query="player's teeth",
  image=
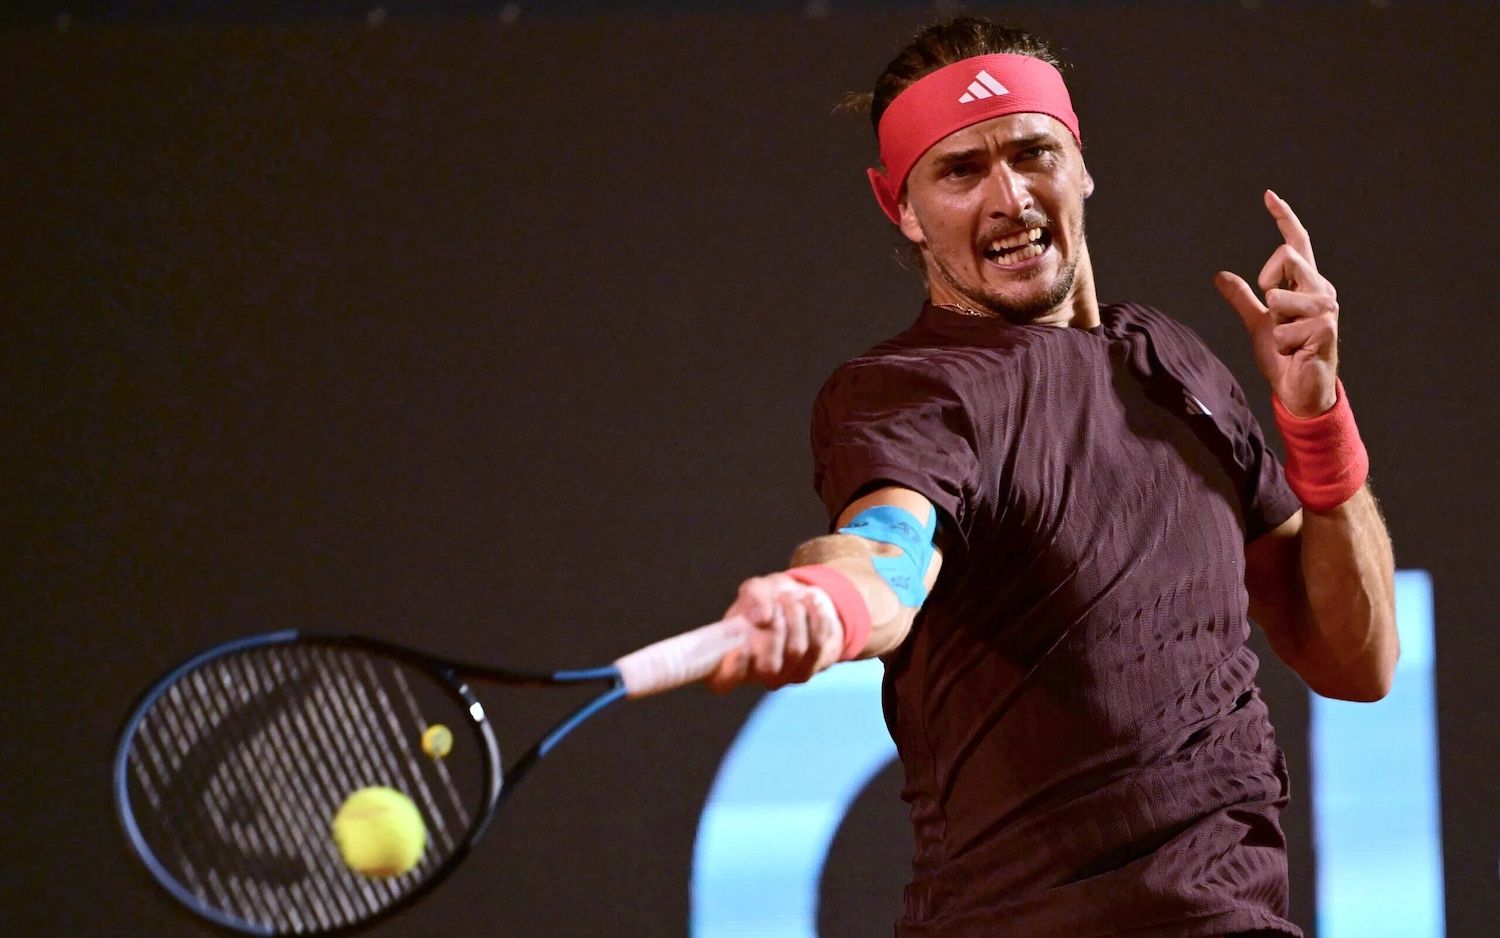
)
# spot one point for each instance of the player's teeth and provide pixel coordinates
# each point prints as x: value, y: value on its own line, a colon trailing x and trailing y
x: 1024, y: 254
x: 1022, y: 246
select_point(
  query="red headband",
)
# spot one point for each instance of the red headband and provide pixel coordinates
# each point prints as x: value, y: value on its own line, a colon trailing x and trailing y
x: 957, y: 96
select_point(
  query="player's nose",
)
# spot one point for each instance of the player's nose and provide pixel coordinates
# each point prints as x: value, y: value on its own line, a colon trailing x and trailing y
x: 1007, y: 194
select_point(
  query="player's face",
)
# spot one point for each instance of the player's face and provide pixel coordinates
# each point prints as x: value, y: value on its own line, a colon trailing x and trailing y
x: 997, y: 210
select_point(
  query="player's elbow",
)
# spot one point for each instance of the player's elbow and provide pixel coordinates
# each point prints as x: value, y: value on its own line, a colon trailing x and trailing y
x: 1365, y: 680
x: 1383, y: 655
x: 886, y: 637
x: 1367, y: 692
x: 1354, y: 691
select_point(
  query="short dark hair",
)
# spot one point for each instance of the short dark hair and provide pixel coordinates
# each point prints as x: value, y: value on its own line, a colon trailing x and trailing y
x: 943, y: 44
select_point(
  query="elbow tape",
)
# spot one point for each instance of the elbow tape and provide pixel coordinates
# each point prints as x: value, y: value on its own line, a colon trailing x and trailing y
x: 906, y: 572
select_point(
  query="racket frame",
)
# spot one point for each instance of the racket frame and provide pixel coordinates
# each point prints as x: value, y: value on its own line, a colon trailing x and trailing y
x: 497, y: 782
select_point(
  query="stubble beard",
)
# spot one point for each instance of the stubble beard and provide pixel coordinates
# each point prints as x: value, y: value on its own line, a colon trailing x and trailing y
x: 1019, y: 313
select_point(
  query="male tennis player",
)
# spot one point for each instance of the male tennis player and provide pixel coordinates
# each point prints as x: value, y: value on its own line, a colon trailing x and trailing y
x: 1055, y: 519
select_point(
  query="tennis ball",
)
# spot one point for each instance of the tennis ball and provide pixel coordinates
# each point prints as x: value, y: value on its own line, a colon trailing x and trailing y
x: 380, y: 832
x: 437, y: 741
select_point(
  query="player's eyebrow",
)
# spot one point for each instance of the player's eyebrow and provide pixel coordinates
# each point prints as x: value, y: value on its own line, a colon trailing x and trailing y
x: 954, y: 157
x: 1025, y: 143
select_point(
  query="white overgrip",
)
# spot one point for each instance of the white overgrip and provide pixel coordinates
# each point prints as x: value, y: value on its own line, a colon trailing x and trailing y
x: 682, y: 659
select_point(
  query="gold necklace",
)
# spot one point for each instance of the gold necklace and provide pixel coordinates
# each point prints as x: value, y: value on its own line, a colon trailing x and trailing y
x: 964, y: 310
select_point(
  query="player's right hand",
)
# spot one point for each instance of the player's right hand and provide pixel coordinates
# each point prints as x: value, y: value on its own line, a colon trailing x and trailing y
x: 794, y: 632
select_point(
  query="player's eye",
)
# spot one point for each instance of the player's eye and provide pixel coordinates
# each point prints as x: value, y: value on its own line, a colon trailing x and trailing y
x: 1040, y: 154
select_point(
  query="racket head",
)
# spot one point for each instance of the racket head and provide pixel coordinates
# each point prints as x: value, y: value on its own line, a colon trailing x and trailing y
x: 230, y: 770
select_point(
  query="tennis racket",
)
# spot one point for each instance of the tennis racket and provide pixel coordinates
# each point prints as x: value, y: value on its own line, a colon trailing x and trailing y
x: 231, y: 768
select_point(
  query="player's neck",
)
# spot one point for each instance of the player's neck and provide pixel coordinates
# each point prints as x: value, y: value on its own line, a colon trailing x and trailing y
x: 1082, y: 304
x: 1079, y: 309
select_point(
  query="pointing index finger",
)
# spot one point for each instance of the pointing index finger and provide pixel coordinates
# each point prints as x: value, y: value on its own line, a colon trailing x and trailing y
x: 1291, y: 228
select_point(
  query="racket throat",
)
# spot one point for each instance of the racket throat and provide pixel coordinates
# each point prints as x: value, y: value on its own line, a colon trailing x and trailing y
x: 554, y: 736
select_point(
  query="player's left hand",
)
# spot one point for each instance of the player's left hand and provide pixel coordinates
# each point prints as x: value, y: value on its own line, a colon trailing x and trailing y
x: 1295, y: 332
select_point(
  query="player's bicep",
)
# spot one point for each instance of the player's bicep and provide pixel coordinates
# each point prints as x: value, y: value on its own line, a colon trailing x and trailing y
x: 900, y: 527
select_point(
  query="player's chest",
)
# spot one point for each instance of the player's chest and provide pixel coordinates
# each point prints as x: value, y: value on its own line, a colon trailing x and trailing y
x: 1092, y: 444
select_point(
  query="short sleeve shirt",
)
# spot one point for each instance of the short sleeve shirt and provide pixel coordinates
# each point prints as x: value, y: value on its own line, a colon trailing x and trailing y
x: 1086, y: 752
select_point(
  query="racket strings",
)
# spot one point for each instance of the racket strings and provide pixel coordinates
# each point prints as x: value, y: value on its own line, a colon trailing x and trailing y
x: 400, y: 755
x: 181, y: 727
x: 301, y: 793
x: 455, y: 798
x: 233, y: 826
x: 244, y: 762
x: 258, y: 862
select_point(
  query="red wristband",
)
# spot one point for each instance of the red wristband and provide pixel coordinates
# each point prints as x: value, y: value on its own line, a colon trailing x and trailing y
x: 847, y: 601
x: 1326, y: 462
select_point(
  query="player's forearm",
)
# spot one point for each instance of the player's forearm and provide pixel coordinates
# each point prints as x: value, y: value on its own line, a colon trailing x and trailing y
x: 890, y: 621
x: 1348, y: 645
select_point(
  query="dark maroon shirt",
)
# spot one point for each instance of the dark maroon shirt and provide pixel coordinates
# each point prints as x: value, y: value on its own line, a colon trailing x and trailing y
x: 1086, y: 751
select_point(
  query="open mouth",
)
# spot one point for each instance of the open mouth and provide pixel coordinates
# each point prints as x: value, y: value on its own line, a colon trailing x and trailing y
x: 1018, y: 247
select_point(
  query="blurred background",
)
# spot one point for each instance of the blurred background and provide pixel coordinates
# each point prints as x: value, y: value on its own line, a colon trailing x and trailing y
x: 493, y: 328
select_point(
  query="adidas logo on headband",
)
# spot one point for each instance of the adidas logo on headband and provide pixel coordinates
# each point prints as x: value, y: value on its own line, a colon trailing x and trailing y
x: 983, y: 86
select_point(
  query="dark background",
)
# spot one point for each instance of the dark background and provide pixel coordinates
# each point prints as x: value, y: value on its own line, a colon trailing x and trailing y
x: 496, y: 333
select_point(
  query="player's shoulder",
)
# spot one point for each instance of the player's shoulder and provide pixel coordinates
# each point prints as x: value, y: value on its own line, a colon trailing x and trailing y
x: 880, y: 368
x: 1166, y: 331
x: 1150, y: 318
x: 889, y: 374
x: 903, y: 353
x: 1183, y: 353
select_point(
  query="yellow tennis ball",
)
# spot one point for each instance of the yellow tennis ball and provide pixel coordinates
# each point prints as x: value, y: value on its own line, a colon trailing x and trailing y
x: 380, y: 832
x: 437, y: 741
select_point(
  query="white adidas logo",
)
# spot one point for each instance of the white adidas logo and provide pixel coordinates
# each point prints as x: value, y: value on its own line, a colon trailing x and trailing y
x: 983, y: 86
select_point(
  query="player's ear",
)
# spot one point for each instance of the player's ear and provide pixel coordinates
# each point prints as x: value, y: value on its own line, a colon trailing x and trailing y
x: 909, y: 224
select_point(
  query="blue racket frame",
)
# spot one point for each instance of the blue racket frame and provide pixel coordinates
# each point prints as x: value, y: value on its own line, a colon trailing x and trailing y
x: 497, y: 782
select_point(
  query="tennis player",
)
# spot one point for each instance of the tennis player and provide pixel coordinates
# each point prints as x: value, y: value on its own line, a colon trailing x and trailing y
x: 1055, y: 519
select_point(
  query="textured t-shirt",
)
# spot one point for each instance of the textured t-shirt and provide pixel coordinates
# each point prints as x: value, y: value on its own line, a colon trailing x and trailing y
x: 1086, y: 752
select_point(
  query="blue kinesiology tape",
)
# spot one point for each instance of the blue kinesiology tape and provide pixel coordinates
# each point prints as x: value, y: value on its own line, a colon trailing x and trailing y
x: 887, y: 524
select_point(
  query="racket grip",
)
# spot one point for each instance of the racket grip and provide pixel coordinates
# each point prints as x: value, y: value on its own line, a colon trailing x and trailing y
x: 680, y: 660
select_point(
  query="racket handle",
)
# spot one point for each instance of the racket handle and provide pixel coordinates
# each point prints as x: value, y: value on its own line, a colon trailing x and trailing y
x: 682, y: 659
